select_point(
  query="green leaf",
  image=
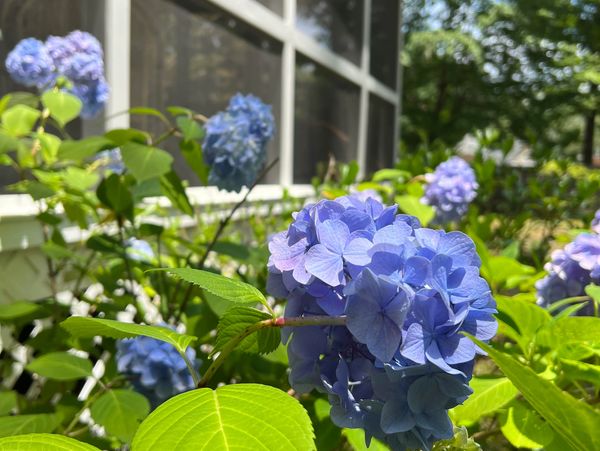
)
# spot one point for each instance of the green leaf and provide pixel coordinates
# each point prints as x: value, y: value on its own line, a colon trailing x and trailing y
x: 63, y: 107
x: 8, y: 143
x: 190, y: 129
x: 172, y: 188
x: 489, y: 395
x: 235, y: 250
x: 79, y: 179
x: 145, y: 162
x: 524, y: 428
x: 398, y: 175
x: 528, y: 318
x: 179, y: 111
x: 43, y: 442
x: 575, y: 421
x: 120, y: 412
x: 145, y: 111
x: 581, y: 371
x: 238, y: 318
x: 224, y: 287
x: 80, y: 150
x: 21, y: 309
x: 19, y: 120
x: 61, y: 366
x: 570, y: 329
x: 115, y: 194
x: 192, y: 152
x: 25, y: 424
x: 412, y: 205
x: 239, y: 416
x: 502, y: 269
x: 120, y: 136
x: 356, y: 438
x: 90, y: 327
x: 8, y: 401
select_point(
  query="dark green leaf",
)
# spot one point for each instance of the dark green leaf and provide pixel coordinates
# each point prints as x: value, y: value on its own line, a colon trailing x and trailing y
x: 8, y: 402
x: 236, y: 320
x: 114, y: 193
x: 174, y: 190
x: 192, y: 152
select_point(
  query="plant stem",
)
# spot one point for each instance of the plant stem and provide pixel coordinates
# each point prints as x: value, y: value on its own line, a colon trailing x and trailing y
x: 217, y: 235
x: 265, y: 324
x: 191, y: 369
x: 125, y: 259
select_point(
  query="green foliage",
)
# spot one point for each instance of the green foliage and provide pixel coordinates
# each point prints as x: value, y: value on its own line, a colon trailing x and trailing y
x: 63, y: 107
x: 19, y: 120
x: 411, y: 205
x: 220, y: 419
x: 524, y: 428
x: 120, y: 412
x: 25, y: 424
x: 235, y: 320
x: 145, y: 162
x: 45, y: 442
x: 61, y: 366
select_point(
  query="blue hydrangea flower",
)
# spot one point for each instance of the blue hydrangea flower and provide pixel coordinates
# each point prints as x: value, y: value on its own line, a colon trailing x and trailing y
x: 408, y: 294
x: 154, y: 367
x: 77, y: 57
x: 139, y: 250
x: 236, y: 141
x: 30, y: 64
x: 570, y: 270
x: 450, y: 189
x: 111, y: 160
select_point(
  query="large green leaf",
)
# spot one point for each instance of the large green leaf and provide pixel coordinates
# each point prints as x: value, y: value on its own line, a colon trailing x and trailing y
x: 120, y: 412
x: 25, y: 424
x: 145, y: 162
x: 224, y: 287
x: 21, y: 309
x: 411, y: 205
x: 116, y: 195
x: 82, y: 149
x: 192, y: 152
x: 238, y: 318
x: 90, y: 327
x: 61, y: 366
x: 43, y: 442
x: 570, y: 329
x: 576, y: 422
x: 581, y: 371
x: 489, y: 395
x: 524, y: 428
x: 19, y: 120
x: 240, y: 416
x: 63, y: 107
x: 173, y: 188
x: 189, y: 128
x: 8, y: 401
x: 526, y: 316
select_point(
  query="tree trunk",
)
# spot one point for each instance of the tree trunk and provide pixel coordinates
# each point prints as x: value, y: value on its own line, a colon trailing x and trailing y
x: 588, y: 137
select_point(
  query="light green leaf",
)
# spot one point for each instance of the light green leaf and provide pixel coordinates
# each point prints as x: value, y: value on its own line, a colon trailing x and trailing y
x: 21, y: 309
x: 570, y: 329
x: 502, y: 269
x: 356, y: 438
x: 173, y: 188
x: 238, y: 318
x: 145, y: 111
x: 43, y: 442
x: 575, y: 421
x: 412, y: 205
x: 528, y: 318
x: 8, y: 401
x: 581, y: 371
x: 239, y: 416
x: 19, y: 120
x: 61, y: 366
x: 25, y: 424
x: 63, y: 107
x: 120, y: 412
x: 189, y: 128
x: 145, y: 162
x: 524, y: 428
x: 90, y: 327
x: 398, y: 175
x: 84, y: 148
x: 224, y: 287
x: 489, y: 395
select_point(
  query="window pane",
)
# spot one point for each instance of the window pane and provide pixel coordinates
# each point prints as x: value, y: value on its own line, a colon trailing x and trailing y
x: 21, y: 19
x: 384, y: 41
x: 326, y: 120
x: 336, y: 24
x: 186, y: 53
x: 274, y: 5
x: 380, y: 140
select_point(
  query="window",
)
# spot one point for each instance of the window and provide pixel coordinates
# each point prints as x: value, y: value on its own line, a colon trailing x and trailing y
x: 327, y: 67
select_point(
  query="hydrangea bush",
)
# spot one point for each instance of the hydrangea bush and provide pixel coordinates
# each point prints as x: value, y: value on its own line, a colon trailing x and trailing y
x: 77, y: 57
x: 450, y: 189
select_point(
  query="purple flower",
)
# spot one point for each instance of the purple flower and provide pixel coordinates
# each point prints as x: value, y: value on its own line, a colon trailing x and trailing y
x: 111, y: 160
x: 236, y: 140
x: 93, y: 96
x: 30, y: 64
x: 407, y: 292
x: 139, y: 250
x: 450, y: 189
x: 570, y: 270
x: 596, y: 222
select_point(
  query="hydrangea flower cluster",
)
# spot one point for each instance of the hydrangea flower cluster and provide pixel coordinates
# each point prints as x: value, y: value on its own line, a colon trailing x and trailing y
x: 154, y: 367
x: 236, y: 141
x: 139, y: 250
x: 596, y: 222
x: 77, y: 57
x: 407, y: 293
x: 570, y: 270
x: 450, y: 189
x: 111, y: 160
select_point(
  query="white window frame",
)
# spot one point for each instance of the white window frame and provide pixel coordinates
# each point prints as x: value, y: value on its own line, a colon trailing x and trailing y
x: 283, y: 29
